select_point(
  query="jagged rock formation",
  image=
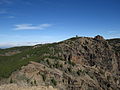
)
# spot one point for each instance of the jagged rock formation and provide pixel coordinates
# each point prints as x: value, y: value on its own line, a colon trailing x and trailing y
x: 81, y: 63
x: 90, y: 51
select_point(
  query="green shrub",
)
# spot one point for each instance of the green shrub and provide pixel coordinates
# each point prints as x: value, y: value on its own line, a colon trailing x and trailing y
x: 78, y: 72
x: 31, y: 83
x: 35, y: 82
x: 69, y: 69
x: 54, y: 82
x: 61, y: 66
x: 11, y: 81
x: 71, y: 63
x: 43, y: 77
x: 48, y: 62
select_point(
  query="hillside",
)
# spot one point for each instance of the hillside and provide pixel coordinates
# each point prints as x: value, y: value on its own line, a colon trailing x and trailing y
x: 82, y: 63
x: 16, y: 87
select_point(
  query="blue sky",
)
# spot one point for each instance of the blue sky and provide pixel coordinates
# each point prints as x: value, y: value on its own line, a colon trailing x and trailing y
x: 28, y: 22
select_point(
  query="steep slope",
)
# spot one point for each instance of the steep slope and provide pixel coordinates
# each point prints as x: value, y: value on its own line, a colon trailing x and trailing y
x: 115, y: 43
x: 80, y: 62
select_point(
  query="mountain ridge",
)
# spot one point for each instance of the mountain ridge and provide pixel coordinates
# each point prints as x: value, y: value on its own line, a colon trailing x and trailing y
x: 93, y: 59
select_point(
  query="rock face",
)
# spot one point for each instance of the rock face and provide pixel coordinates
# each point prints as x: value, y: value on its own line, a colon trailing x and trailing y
x: 90, y: 51
x: 115, y: 43
x: 79, y: 63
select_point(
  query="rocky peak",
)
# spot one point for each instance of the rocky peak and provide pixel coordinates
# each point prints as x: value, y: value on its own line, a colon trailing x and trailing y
x: 78, y: 62
x: 98, y: 37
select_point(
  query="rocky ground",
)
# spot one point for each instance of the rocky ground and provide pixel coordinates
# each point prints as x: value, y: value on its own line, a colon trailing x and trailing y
x: 16, y: 87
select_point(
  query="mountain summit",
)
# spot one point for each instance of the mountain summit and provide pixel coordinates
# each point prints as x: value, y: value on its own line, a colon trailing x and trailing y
x: 78, y: 63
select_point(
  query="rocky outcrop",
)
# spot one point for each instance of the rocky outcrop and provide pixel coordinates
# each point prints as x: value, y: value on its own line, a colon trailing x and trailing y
x: 98, y: 37
x: 90, y: 51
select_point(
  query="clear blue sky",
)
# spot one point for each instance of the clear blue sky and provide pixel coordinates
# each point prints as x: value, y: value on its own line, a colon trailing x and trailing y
x: 27, y: 22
